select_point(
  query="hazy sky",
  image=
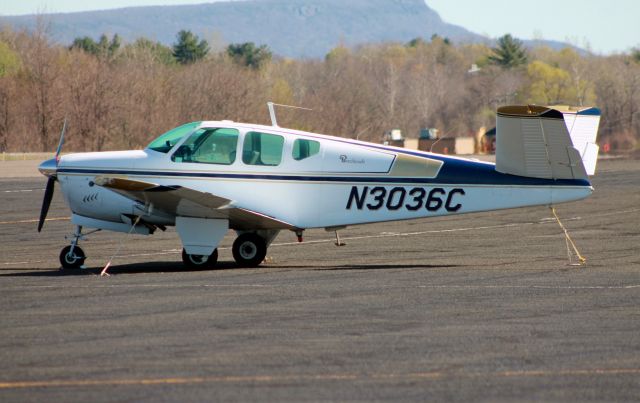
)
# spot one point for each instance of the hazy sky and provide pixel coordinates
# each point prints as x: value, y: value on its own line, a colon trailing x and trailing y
x: 604, y: 26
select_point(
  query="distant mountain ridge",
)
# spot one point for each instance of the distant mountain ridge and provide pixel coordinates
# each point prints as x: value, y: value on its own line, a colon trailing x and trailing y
x: 291, y: 28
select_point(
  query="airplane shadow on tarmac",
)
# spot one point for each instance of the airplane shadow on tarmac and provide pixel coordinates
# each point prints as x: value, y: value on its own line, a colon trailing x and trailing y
x: 137, y: 268
x: 177, y: 267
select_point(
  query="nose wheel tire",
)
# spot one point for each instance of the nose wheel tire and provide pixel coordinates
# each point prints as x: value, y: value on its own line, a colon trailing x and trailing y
x: 200, y: 261
x: 72, y: 260
x: 249, y: 250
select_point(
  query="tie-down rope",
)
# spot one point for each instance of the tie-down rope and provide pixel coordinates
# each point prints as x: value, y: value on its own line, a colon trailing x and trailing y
x: 581, y: 260
x: 106, y: 267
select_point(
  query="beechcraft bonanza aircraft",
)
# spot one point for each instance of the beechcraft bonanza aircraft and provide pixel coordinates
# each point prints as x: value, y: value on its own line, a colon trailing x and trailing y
x: 209, y: 177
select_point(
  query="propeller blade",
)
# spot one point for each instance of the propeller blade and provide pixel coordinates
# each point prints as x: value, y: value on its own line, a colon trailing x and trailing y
x: 47, y: 169
x: 46, y: 201
x: 64, y: 127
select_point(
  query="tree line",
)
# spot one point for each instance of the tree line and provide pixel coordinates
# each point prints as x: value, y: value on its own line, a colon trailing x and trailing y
x: 116, y: 95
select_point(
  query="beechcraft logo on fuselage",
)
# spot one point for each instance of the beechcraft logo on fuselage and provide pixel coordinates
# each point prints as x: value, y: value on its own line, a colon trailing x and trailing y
x: 412, y: 199
x: 346, y: 160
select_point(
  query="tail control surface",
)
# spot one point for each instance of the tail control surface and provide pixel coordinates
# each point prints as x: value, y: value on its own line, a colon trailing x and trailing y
x: 547, y: 142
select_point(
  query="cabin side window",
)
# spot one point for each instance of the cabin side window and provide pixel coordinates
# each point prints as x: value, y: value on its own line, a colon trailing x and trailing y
x: 262, y: 149
x: 303, y: 148
x: 209, y: 146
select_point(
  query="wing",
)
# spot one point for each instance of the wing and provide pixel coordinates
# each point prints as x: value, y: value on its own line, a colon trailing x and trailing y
x: 183, y: 201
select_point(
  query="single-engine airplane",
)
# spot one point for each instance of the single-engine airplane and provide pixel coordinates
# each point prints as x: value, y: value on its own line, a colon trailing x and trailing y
x: 212, y: 176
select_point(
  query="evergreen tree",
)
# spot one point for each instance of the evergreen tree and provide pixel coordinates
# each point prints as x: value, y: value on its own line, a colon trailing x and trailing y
x: 103, y: 47
x: 114, y: 45
x: 247, y: 54
x: 416, y: 42
x: 86, y: 44
x: 188, y: 49
x: 509, y: 53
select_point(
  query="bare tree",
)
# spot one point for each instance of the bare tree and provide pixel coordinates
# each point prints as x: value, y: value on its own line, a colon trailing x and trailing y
x: 126, y: 97
x: 42, y: 66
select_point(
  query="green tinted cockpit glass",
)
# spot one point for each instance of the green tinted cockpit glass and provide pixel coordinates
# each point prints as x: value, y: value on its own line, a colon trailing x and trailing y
x: 303, y: 148
x: 262, y: 149
x: 166, y: 141
x: 209, y: 145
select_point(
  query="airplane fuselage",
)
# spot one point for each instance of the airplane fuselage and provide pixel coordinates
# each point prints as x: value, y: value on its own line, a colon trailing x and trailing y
x: 346, y: 183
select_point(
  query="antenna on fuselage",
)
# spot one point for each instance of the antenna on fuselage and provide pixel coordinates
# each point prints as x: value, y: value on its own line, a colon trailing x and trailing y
x: 272, y: 111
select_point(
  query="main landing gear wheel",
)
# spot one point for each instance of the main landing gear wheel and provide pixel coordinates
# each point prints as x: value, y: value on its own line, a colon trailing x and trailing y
x: 200, y: 261
x: 72, y: 260
x: 249, y: 250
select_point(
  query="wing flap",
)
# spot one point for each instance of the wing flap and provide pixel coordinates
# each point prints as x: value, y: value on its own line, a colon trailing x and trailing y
x: 187, y: 202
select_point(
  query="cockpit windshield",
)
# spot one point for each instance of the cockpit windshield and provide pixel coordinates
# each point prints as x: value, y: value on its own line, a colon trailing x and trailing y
x: 165, y: 142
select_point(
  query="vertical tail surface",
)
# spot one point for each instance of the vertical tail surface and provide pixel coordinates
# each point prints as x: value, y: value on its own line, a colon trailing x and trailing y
x: 547, y: 142
x: 583, y: 129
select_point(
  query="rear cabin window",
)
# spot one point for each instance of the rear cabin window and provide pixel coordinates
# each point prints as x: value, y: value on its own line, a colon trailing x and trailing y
x: 262, y: 149
x: 303, y: 148
x: 209, y: 146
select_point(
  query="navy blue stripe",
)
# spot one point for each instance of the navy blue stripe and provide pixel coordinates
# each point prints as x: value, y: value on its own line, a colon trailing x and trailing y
x: 472, y: 172
x: 590, y: 111
x: 476, y: 174
x: 456, y: 171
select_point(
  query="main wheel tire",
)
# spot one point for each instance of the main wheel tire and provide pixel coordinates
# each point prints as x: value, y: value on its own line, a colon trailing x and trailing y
x: 249, y: 250
x: 200, y: 261
x: 72, y: 261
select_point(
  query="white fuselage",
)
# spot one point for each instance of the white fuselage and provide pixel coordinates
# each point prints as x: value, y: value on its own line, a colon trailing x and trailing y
x: 346, y: 183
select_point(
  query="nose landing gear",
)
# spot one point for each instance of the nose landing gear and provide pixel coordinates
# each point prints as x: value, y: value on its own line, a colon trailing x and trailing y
x: 72, y: 257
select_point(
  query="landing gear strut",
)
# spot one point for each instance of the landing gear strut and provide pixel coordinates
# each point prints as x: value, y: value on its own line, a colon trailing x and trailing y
x: 72, y: 257
x: 249, y: 250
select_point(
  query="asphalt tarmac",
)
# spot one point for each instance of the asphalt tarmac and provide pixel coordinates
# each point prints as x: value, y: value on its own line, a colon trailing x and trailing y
x: 473, y: 307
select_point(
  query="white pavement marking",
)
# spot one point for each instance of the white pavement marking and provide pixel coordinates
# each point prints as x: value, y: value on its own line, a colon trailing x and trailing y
x: 21, y: 190
x: 33, y: 261
x: 33, y: 220
x: 331, y: 240
x: 543, y: 220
